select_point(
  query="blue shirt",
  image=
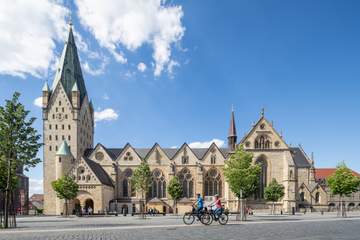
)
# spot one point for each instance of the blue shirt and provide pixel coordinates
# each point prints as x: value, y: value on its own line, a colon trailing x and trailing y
x: 200, y: 203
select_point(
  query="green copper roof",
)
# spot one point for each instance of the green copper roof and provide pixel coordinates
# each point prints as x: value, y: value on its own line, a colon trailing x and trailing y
x: 45, y: 87
x: 75, y: 88
x: 69, y: 69
x: 64, y: 150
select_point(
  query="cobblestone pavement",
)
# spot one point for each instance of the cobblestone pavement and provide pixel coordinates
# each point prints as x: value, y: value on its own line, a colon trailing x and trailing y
x: 311, y: 226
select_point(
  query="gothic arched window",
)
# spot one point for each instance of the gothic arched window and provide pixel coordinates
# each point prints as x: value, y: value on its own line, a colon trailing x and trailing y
x: 187, y: 182
x: 126, y: 183
x: 317, y: 197
x: 262, y: 178
x: 302, y: 196
x: 213, y: 183
x: 158, y: 186
x: 262, y: 142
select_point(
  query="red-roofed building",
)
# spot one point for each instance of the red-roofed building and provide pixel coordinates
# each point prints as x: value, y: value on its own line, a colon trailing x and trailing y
x: 323, y: 173
x: 351, y: 202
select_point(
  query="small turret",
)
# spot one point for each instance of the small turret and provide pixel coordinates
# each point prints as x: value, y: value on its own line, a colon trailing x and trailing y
x: 75, y: 96
x: 63, y: 158
x: 45, y: 95
x: 232, y: 137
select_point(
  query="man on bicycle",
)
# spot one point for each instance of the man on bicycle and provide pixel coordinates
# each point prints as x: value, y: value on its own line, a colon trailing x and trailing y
x: 218, y: 206
x: 199, y: 205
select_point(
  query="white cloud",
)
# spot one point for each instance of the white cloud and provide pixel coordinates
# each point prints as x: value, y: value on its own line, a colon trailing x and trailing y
x: 141, y: 67
x: 218, y: 142
x: 171, y: 66
x: 107, y: 114
x: 28, y: 31
x: 95, y: 71
x: 133, y: 23
x: 38, y: 102
x: 35, y: 186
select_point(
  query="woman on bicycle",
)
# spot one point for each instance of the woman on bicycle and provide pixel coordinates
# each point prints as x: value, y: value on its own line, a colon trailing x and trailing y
x: 217, y: 204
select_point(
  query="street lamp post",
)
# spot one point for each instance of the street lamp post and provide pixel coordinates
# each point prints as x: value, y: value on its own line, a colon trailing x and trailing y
x: 116, y: 167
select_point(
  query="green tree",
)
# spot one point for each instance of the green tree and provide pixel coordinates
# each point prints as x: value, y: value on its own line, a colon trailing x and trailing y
x: 343, y: 183
x: 242, y: 176
x: 274, y: 192
x: 66, y: 188
x: 175, y: 191
x: 19, y: 144
x: 141, y: 181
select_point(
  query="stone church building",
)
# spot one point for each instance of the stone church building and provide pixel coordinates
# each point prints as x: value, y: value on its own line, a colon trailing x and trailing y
x: 104, y: 174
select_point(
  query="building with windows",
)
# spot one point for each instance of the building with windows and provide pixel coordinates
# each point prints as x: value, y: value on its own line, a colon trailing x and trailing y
x: 104, y: 174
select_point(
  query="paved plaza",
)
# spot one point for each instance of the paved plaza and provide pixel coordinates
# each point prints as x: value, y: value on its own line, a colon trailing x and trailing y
x: 309, y: 226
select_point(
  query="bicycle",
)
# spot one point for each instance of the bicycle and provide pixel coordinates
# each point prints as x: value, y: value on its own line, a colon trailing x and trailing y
x: 222, y: 218
x: 203, y: 216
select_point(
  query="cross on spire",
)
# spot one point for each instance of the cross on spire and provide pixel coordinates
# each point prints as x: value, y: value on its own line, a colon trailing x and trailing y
x: 262, y: 112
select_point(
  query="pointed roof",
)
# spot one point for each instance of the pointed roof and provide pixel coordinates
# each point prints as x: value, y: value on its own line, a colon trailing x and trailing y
x: 45, y: 87
x: 64, y: 150
x: 75, y: 88
x: 232, y: 128
x: 69, y: 69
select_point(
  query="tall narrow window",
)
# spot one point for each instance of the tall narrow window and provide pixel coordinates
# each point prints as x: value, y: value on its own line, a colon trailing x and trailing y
x: 125, y: 188
x: 187, y: 182
x: 317, y: 197
x: 158, y: 186
x: 213, y: 159
x: 262, y: 178
x: 126, y: 182
x: 302, y: 196
x: 213, y: 183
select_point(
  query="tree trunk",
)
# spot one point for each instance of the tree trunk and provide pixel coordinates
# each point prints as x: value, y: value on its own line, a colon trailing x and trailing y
x: 244, y: 214
x: 175, y: 207
x: 66, y: 208
x: 273, y: 208
x: 343, y: 209
x: 7, y: 196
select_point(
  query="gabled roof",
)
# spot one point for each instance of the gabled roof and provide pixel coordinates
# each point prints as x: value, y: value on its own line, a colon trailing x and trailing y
x: 143, y: 153
x: 69, y: 69
x: 255, y: 126
x: 99, y: 172
x: 323, y: 173
x: 299, y: 157
x: 170, y: 152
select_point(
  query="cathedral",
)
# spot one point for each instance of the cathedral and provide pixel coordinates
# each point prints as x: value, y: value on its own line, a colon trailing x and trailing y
x: 104, y: 174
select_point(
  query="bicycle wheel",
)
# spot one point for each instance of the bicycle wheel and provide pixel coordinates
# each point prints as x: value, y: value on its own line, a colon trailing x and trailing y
x: 188, y: 218
x: 223, y: 219
x: 206, y: 219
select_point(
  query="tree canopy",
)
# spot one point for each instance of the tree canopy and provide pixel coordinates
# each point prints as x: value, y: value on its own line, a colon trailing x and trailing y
x: 274, y: 191
x: 175, y: 189
x: 241, y: 174
x: 65, y: 188
x: 343, y: 182
x: 19, y: 144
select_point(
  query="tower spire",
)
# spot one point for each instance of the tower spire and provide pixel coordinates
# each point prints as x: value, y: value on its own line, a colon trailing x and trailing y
x: 69, y: 68
x: 232, y: 136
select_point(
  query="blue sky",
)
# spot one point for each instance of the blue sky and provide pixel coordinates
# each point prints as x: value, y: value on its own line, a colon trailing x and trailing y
x: 298, y: 59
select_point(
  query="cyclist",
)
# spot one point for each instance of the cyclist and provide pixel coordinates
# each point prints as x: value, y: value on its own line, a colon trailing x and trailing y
x: 199, y: 205
x: 218, y: 206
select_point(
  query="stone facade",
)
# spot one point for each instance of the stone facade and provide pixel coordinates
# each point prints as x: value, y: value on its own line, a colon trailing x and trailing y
x: 104, y: 174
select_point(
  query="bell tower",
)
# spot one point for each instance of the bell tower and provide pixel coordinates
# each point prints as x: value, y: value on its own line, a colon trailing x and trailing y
x: 68, y: 115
